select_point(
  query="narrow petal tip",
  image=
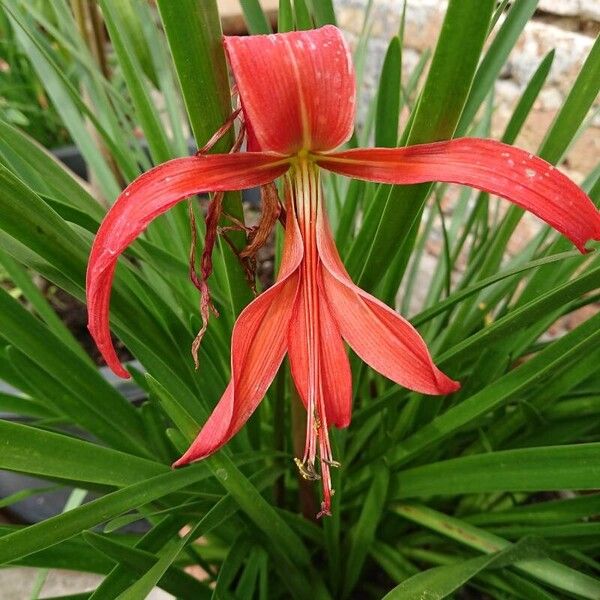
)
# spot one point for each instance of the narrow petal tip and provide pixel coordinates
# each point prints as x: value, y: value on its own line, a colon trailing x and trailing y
x: 185, y: 460
x: 445, y: 384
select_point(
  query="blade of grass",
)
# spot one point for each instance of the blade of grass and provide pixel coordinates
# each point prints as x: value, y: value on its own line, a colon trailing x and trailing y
x: 545, y: 570
x: 450, y: 76
x: 62, y: 527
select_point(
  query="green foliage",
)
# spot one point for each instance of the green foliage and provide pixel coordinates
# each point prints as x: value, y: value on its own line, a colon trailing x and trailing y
x: 491, y: 488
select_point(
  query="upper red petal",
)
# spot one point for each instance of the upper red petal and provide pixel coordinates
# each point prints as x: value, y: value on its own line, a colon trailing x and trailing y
x: 258, y: 345
x: 380, y: 336
x: 146, y: 198
x: 514, y: 174
x: 297, y: 89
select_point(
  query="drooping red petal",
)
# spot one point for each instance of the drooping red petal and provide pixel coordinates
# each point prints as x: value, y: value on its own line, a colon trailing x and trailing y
x: 297, y: 89
x: 146, y: 198
x: 334, y: 366
x: 380, y: 336
x: 335, y: 371
x: 258, y: 345
x: 514, y: 174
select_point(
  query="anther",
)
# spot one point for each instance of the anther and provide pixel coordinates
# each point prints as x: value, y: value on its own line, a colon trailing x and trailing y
x: 307, y: 470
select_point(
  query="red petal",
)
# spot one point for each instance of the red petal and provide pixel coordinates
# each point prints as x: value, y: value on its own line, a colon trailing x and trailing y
x: 522, y: 178
x: 297, y: 89
x: 381, y: 337
x: 258, y: 345
x: 335, y: 371
x: 334, y: 366
x: 145, y: 199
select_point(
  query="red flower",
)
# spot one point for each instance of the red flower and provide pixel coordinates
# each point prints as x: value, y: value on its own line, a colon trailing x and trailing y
x: 298, y: 95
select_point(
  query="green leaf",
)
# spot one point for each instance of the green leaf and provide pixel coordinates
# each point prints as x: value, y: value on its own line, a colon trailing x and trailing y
x: 285, y: 16
x: 460, y: 295
x: 38, y: 452
x: 116, y: 22
x: 541, y: 306
x: 303, y: 18
x: 193, y: 30
x: 578, y: 103
x: 557, y: 355
x: 255, y: 17
x: 22, y: 280
x: 186, y: 422
x: 388, y: 97
x: 495, y: 57
x: 363, y: 533
x: 64, y: 98
x: 324, y: 12
x: 172, y: 580
x: 440, y: 582
x: 122, y: 428
x: 545, y: 570
x: 61, y: 527
x: 121, y: 576
x: 394, y: 213
x: 574, y: 467
x: 73, y: 554
x: 287, y: 547
x: 36, y: 167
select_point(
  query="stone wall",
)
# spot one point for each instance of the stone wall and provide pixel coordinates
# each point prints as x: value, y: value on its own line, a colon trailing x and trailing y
x: 569, y: 26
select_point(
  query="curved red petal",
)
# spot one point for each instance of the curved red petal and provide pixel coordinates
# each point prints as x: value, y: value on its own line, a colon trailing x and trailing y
x: 514, y: 174
x: 258, y: 345
x: 297, y: 89
x: 147, y: 197
x: 380, y: 336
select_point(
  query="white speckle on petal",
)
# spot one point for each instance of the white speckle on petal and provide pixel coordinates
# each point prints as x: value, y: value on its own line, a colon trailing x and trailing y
x: 530, y: 173
x: 167, y: 179
x: 299, y: 44
x: 505, y: 154
x: 128, y: 193
x: 510, y: 162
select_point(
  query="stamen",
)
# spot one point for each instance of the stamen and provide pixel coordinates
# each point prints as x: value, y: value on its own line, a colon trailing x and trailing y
x: 304, y: 199
x: 307, y: 470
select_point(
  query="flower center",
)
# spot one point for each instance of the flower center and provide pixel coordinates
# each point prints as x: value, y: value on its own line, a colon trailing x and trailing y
x: 306, y: 195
